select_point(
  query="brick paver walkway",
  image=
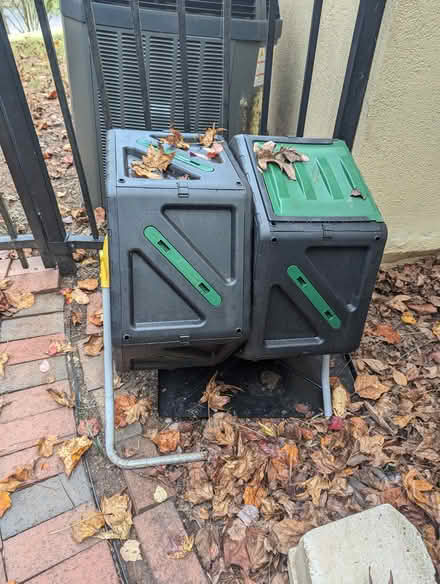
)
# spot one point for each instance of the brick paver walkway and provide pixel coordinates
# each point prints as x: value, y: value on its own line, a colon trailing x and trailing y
x: 35, y: 537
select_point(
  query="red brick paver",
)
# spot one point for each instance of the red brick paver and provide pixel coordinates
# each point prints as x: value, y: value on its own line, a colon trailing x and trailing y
x: 2, y: 572
x: 35, y: 265
x: 21, y: 434
x: 93, y: 566
x: 32, y: 401
x: 44, y: 468
x: 141, y: 486
x: 29, y: 349
x: 158, y: 531
x: 46, y: 281
x: 43, y: 546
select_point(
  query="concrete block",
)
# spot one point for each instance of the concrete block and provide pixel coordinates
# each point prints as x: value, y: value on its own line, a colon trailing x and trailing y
x: 342, y: 552
x: 77, y: 486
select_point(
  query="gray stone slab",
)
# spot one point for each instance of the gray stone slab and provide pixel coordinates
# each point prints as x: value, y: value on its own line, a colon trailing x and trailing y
x: 34, y: 505
x: 44, y: 304
x: 32, y: 326
x: 93, y: 368
x: 77, y: 486
x: 26, y: 375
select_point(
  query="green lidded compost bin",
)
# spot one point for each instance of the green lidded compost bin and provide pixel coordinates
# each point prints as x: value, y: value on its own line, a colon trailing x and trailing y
x: 318, y: 243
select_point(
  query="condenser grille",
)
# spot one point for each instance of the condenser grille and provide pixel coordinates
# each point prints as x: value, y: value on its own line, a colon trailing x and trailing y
x: 162, y: 56
x: 240, y: 9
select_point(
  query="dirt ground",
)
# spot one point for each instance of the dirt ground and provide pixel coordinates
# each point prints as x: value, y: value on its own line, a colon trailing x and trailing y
x: 269, y: 481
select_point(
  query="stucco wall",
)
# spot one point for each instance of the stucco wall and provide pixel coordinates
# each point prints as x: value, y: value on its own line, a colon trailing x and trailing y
x: 397, y: 145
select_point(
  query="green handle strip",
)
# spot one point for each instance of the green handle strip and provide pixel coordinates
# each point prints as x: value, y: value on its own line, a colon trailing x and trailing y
x: 175, y: 258
x: 180, y: 157
x: 309, y: 290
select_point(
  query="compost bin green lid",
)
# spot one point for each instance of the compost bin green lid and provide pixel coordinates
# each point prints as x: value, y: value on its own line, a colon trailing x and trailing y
x: 328, y: 185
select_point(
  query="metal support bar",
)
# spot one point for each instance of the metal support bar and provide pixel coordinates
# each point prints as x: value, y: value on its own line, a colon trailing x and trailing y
x: 96, y: 57
x: 273, y: 5
x: 181, y: 14
x: 12, y: 231
x: 58, y: 248
x: 25, y: 160
x: 362, y: 50
x: 227, y: 36
x: 135, y: 14
x: 310, y: 62
x: 59, y: 85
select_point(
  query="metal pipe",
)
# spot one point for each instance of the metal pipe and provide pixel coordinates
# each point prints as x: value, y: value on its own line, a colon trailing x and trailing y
x: 268, y: 67
x: 310, y: 62
x: 59, y: 85
x: 325, y: 384
x: 108, y: 389
x: 137, y: 30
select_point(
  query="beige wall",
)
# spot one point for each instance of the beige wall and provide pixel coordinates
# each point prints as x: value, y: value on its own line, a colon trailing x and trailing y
x: 397, y: 145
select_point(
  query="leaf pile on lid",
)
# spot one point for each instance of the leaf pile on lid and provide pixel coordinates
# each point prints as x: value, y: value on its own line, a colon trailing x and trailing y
x: 175, y: 139
x: 154, y: 163
x: 284, y: 157
x: 208, y: 138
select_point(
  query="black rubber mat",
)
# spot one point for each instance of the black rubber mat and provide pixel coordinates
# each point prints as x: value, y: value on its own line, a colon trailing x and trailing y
x: 270, y: 389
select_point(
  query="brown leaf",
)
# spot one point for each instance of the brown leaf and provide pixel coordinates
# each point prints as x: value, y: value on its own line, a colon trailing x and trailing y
x: 100, y: 216
x: 254, y: 496
x: 94, y: 345
x: 283, y: 157
x: 97, y: 318
x: 58, y: 348
x: 281, y: 466
x: 436, y: 329
x: 255, y: 544
x: 52, y: 94
x: 117, y: 515
x: 71, y: 452
x: 423, y: 308
x: 76, y: 317
x: 198, y: 488
x: 154, y: 163
x: 212, y: 394
x: 5, y: 503
x: 175, y: 139
x: 371, y: 444
x: 129, y: 410
x: 139, y: 411
x: 235, y: 552
x: 314, y: 488
x: 45, y: 446
x: 14, y: 480
x: 398, y: 302
x: 61, y: 397
x: 20, y: 299
x: 387, y: 332
x: 88, y: 284
x: 288, y: 533
x: 376, y: 365
x: 4, y: 358
x: 340, y: 400
x: 358, y: 427
x: 416, y: 487
x: 79, y: 296
x: 399, y: 377
x: 369, y: 386
x: 220, y: 429
x: 88, y: 526
x: 167, y: 440
x: 207, y: 542
x: 403, y: 421
x: 408, y: 318
x: 215, y: 150
x: 90, y: 427
x: 209, y: 136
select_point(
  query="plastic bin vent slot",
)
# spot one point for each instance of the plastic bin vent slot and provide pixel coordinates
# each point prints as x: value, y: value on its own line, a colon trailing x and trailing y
x: 314, y: 296
x: 181, y: 264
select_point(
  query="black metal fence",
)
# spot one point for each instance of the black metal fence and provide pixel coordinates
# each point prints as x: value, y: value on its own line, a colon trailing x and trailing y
x: 20, y: 145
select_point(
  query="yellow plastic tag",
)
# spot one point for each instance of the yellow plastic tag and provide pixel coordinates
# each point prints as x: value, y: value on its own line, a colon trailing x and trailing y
x: 104, y: 265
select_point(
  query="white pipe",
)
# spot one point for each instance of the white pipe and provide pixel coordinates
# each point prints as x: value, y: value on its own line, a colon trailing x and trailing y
x: 325, y: 384
x: 109, y: 398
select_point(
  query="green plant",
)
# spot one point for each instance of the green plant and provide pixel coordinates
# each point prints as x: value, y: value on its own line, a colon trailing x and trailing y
x: 22, y: 13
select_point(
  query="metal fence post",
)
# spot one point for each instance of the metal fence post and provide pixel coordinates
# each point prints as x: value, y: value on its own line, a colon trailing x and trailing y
x: 23, y: 155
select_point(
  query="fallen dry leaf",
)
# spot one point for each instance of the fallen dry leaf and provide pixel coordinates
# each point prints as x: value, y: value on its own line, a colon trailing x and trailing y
x: 284, y: 157
x: 100, y: 216
x: 88, y: 526
x: 19, y: 299
x: 71, y: 452
x: 408, y: 318
x: 376, y: 365
x: 5, y: 503
x: 89, y: 427
x: 207, y: 542
x: 436, y: 329
x: 403, y: 421
x: 94, y: 345
x: 97, y: 318
x: 45, y: 445
x: 58, y: 347
x: 131, y: 551
x: 399, y: 378
x: 213, y: 394
x: 215, y: 150
x: 220, y: 429
x: 61, y: 397
x: 154, y: 163
x: 288, y: 533
x: 387, y: 332
x: 4, y: 358
x: 79, y: 296
x: 160, y: 495
x: 167, y: 440
x: 129, y: 410
x: 254, y: 496
x: 198, y: 487
x: 76, y: 317
x: 423, y: 308
x: 340, y: 400
x: 208, y: 137
x: 369, y: 386
x: 416, y: 487
x: 117, y: 515
x: 89, y: 284
x: 14, y: 479
x: 175, y: 139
